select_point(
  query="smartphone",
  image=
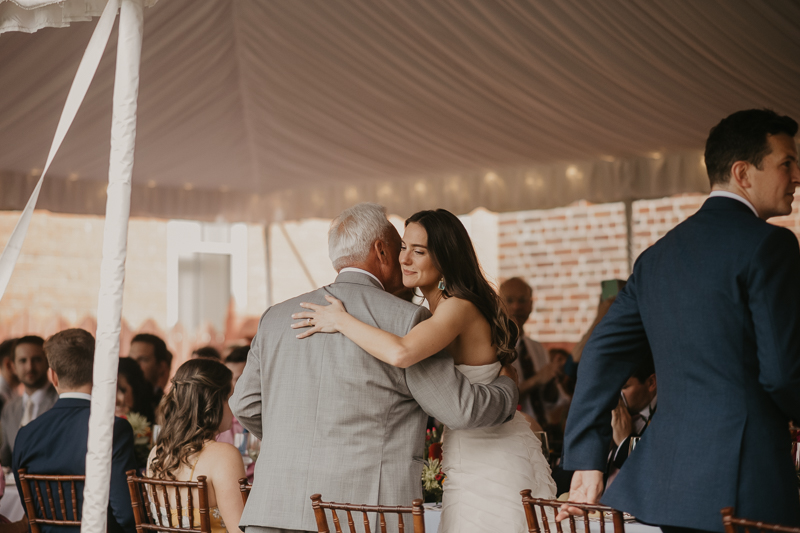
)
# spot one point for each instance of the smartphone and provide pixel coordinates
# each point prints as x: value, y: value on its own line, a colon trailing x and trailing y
x: 611, y: 288
x: 624, y: 399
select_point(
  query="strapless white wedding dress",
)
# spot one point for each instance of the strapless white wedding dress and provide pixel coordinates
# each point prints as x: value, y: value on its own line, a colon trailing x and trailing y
x: 486, y: 470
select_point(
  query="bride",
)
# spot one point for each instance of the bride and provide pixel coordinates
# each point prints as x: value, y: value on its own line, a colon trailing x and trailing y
x: 486, y: 468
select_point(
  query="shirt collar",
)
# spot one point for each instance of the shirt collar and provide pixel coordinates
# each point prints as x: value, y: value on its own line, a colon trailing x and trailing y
x: 647, y: 412
x: 75, y: 396
x: 36, y: 397
x: 734, y: 196
x: 362, y: 271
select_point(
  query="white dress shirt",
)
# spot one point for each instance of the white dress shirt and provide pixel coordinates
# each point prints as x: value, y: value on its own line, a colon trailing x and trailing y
x: 37, y: 397
x: 362, y: 271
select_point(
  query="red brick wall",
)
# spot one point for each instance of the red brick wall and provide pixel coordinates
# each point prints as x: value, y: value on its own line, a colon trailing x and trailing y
x: 565, y: 253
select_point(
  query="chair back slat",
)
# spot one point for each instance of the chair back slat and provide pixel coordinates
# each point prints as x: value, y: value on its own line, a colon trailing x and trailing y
x: 365, y: 518
x: 178, y: 506
x: 244, y: 488
x: 416, y: 510
x: 36, y: 507
x: 148, y: 512
x: 730, y: 523
x: 167, y: 507
x: 49, y: 491
x: 531, y: 505
x: 74, y: 495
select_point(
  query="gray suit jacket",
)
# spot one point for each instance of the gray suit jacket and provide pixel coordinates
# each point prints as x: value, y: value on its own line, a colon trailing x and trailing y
x: 336, y: 421
x: 12, y: 416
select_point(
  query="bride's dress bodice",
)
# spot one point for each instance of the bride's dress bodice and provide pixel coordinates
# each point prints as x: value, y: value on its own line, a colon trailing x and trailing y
x: 487, y: 468
x: 480, y: 374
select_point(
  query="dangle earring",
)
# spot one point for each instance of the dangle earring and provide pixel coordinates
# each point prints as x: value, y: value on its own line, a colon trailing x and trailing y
x: 441, y: 284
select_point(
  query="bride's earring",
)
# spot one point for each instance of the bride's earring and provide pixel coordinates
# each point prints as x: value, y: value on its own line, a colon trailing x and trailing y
x: 441, y: 284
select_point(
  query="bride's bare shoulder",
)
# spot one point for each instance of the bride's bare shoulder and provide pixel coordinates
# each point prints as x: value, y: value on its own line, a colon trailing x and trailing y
x: 460, y: 306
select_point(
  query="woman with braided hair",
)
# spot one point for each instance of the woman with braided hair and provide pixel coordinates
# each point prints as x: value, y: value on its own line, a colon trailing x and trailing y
x: 193, y: 412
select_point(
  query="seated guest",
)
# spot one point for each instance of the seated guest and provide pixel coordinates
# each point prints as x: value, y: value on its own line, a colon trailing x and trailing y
x: 206, y: 352
x: 134, y: 393
x: 194, y: 411
x: 637, y: 405
x: 30, y: 365
x: 55, y: 443
x: 155, y: 360
x: 236, y: 361
x: 8, y: 379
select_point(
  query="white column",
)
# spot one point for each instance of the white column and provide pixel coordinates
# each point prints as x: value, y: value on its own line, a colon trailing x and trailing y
x: 112, y: 270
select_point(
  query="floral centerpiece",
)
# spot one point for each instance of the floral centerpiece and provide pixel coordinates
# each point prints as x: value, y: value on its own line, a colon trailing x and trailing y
x: 432, y: 475
x: 142, y: 437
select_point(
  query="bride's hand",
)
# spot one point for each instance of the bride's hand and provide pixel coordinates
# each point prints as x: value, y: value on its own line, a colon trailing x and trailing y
x: 321, y: 318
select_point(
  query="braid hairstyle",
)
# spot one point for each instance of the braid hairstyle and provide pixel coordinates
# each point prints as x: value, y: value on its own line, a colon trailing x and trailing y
x: 192, y: 412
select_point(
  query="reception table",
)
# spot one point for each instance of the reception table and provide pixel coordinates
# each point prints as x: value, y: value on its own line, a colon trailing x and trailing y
x: 433, y: 514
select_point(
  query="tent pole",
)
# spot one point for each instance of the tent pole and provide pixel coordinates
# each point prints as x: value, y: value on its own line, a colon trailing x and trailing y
x: 112, y: 268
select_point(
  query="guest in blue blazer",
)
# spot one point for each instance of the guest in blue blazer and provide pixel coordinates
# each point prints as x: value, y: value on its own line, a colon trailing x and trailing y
x: 55, y: 443
x: 718, y: 301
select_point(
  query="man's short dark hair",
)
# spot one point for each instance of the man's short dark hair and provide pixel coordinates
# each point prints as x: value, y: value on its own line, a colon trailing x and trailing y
x: 208, y: 352
x: 742, y: 136
x: 70, y: 354
x: 159, y: 347
x: 646, y: 367
x: 7, y: 349
x: 238, y: 355
x: 28, y: 339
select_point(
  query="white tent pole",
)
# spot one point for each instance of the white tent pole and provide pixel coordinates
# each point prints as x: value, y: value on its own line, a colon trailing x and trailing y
x: 112, y: 269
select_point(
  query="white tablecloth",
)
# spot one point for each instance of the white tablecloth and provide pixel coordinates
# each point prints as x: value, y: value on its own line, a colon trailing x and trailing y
x: 433, y: 515
x: 11, y: 503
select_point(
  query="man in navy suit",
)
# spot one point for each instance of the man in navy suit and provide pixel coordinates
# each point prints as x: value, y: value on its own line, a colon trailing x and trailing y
x: 55, y: 443
x: 718, y: 301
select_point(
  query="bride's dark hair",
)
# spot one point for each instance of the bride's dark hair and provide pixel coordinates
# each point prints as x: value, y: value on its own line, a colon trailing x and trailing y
x: 191, y: 413
x: 454, y: 257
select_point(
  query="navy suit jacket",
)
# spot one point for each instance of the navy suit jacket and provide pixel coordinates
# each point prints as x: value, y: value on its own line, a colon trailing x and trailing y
x: 55, y: 443
x: 718, y: 300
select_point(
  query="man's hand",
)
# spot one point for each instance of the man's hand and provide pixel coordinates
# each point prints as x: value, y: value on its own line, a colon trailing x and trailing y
x: 621, y: 425
x: 586, y: 487
x: 545, y: 375
x: 510, y: 372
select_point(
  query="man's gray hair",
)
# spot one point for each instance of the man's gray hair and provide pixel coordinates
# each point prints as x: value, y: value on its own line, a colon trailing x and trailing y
x: 353, y: 232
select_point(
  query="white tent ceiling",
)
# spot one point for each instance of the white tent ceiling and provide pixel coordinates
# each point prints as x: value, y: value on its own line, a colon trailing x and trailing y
x: 255, y: 110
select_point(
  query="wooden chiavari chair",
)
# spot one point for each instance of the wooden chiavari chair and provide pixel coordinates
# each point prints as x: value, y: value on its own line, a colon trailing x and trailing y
x: 732, y: 523
x: 244, y: 488
x: 152, y: 511
x: 531, y: 504
x: 416, y: 510
x: 36, y: 507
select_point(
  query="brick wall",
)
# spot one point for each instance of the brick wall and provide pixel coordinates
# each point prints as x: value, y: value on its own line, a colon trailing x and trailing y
x: 565, y: 253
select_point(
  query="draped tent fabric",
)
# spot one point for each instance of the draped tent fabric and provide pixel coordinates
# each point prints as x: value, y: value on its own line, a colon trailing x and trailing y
x: 263, y: 110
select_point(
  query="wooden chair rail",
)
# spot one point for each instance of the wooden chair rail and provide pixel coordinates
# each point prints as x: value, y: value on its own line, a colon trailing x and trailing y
x: 416, y: 510
x: 34, y: 499
x: 149, y: 513
x: 730, y: 522
x: 530, y: 504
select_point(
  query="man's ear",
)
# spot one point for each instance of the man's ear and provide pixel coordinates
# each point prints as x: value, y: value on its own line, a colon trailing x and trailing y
x: 651, y: 383
x: 51, y: 375
x: 381, y: 252
x: 740, y: 174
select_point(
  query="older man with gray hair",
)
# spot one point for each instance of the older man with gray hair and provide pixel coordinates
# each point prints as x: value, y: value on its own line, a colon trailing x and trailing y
x: 333, y: 419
